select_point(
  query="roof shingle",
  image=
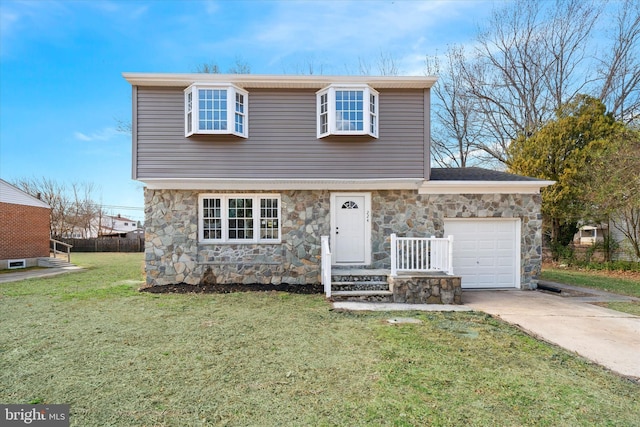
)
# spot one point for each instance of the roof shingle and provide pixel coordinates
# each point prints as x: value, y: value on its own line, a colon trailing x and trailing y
x: 475, y: 174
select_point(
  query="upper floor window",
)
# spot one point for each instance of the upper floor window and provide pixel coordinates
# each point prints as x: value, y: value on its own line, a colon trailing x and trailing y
x: 215, y: 109
x: 347, y: 110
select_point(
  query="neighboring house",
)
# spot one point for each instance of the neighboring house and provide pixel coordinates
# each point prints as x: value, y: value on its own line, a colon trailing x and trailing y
x: 592, y: 234
x: 245, y: 173
x: 624, y: 251
x: 105, y: 226
x: 117, y: 226
x: 24, y: 228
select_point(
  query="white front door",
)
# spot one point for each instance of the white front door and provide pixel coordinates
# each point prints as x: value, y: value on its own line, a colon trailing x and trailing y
x: 351, y: 228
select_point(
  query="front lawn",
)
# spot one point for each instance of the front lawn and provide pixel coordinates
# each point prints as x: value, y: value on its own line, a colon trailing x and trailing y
x: 124, y: 358
x: 624, y: 283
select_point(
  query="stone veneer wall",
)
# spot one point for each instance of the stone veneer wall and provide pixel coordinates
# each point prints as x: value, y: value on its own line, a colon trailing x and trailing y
x: 173, y: 254
x: 409, y: 214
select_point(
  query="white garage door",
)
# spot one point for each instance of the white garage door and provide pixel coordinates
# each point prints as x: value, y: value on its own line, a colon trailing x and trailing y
x: 486, y: 252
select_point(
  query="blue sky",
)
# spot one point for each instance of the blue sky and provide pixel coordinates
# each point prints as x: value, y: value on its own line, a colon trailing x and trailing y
x: 62, y: 92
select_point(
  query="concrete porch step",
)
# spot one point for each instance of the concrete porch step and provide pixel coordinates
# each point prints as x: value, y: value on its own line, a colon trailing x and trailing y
x: 359, y: 275
x: 372, y: 285
x: 360, y: 293
x: 360, y: 285
x: 371, y: 296
x: 53, y: 263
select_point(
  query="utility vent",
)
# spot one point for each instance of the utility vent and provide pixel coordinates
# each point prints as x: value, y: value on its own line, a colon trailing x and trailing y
x: 17, y: 263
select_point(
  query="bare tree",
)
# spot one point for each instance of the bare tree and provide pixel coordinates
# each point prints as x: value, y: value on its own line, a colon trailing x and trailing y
x: 524, y: 68
x: 455, y: 130
x: 72, y: 208
x: 619, y: 69
x: 123, y: 126
x: 208, y: 68
x: 308, y: 67
x: 240, y: 66
x: 386, y: 65
x: 84, y: 211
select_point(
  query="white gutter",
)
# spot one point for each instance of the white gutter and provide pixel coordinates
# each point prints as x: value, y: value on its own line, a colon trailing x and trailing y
x: 247, y: 81
x: 280, y: 184
x: 483, y: 187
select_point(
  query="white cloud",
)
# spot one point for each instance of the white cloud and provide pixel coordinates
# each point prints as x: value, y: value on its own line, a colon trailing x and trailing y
x: 105, y: 134
x: 353, y: 30
x: 122, y: 9
x: 210, y: 7
x: 8, y: 20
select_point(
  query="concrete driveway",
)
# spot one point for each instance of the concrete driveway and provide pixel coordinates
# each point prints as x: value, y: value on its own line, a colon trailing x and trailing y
x: 609, y: 338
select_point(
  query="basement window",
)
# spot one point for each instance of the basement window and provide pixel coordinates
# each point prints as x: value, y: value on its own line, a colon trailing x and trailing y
x: 215, y: 109
x: 16, y: 263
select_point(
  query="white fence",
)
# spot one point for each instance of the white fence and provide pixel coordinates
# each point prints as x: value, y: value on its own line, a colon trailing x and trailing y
x: 421, y: 254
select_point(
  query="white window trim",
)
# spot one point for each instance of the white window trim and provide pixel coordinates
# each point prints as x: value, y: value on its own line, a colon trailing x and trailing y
x: 330, y: 91
x: 232, y: 90
x: 225, y: 217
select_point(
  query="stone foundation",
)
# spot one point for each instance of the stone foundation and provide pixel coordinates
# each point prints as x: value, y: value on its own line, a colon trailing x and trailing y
x: 174, y: 255
x: 426, y: 289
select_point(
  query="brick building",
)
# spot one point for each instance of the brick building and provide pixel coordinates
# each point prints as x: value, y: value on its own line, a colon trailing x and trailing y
x: 24, y: 227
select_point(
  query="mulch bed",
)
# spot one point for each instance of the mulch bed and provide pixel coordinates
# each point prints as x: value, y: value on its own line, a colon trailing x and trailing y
x: 184, y: 288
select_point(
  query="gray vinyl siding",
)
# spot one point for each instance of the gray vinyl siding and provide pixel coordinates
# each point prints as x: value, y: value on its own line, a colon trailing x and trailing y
x: 282, y: 140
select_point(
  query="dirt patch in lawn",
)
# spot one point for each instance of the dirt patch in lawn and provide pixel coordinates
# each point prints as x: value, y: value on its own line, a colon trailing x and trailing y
x: 184, y: 288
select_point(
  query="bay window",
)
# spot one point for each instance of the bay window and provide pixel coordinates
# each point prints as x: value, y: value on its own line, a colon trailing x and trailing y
x: 215, y: 109
x: 347, y: 110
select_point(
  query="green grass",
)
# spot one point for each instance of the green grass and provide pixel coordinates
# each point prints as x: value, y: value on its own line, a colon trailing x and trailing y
x: 624, y: 286
x: 632, y: 307
x: 123, y: 358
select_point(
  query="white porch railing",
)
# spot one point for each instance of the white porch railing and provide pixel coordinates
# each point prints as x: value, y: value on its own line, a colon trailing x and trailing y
x: 421, y: 254
x: 326, y: 265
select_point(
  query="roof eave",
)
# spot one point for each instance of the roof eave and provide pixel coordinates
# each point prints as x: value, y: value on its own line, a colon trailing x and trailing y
x: 483, y: 187
x: 248, y: 81
x: 280, y: 184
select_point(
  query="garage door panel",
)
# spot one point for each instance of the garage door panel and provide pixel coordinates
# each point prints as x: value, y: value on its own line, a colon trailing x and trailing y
x: 504, y: 244
x: 504, y: 254
x: 486, y: 244
x: 485, y: 252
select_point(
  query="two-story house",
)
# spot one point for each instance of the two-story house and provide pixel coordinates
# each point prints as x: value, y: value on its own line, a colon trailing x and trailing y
x: 116, y: 225
x: 245, y: 173
x: 103, y: 225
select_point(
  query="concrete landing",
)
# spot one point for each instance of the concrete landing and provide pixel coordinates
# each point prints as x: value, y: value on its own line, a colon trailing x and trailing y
x: 389, y: 306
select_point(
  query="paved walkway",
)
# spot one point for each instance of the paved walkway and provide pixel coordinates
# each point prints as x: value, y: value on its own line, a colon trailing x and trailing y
x: 569, y: 320
x: 392, y: 306
x: 33, y: 274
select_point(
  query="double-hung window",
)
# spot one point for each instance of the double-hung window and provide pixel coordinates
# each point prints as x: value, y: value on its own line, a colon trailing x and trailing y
x: 239, y: 218
x: 215, y: 109
x: 347, y: 110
